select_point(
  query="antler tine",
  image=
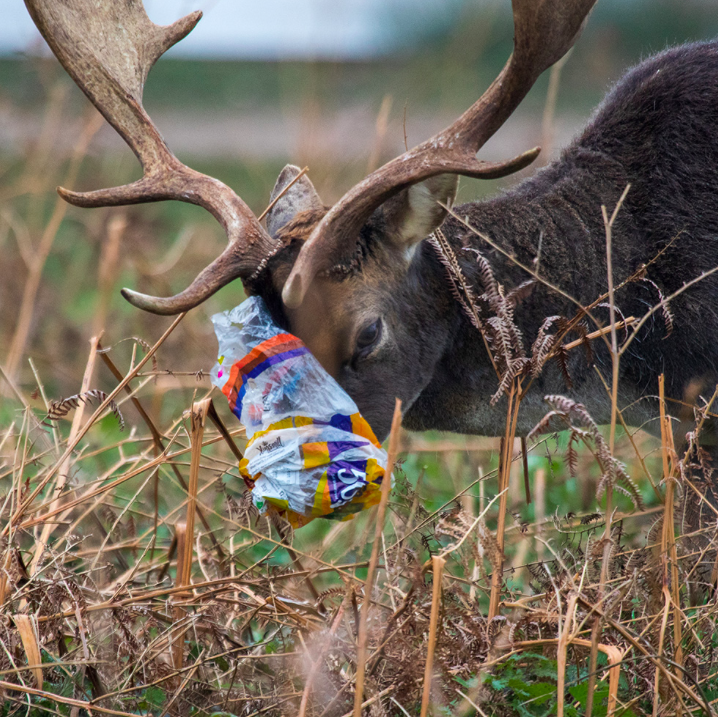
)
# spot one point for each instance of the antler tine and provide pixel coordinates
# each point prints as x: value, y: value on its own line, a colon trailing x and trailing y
x: 544, y: 30
x: 108, y: 48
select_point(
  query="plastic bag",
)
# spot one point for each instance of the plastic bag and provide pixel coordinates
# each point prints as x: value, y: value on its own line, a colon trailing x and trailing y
x: 310, y: 452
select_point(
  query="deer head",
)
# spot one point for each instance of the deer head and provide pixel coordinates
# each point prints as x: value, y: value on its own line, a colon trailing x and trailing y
x: 345, y: 278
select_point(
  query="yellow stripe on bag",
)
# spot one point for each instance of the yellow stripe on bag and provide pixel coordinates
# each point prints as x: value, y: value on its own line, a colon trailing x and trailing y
x: 322, y: 497
x: 290, y: 422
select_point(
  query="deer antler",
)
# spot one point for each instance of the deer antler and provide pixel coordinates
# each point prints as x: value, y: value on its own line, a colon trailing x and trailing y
x: 544, y: 30
x: 108, y: 48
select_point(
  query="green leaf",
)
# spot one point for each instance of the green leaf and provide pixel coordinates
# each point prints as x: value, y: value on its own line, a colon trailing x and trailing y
x: 537, y: 692
x: 600, y: 695
x: 468, y: 684
x: 155, y: 696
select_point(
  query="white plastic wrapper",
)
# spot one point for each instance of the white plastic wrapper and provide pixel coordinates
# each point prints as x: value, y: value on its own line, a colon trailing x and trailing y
x: 310, y: 452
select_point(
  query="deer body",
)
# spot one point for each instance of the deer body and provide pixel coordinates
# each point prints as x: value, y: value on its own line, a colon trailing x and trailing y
x: 654, y: 131
x: 365, y: 291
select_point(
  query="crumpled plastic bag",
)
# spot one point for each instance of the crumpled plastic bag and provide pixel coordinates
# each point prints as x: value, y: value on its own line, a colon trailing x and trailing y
x: 310, y: 452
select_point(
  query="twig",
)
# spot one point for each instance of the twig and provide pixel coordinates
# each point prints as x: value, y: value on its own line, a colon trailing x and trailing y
x: 371, y: 573
x: 159, y: 442
x: 438, y: 564
x: 81, y: 433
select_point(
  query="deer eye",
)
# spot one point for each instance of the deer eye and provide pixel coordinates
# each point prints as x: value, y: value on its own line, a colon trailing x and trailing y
x: 368, y: 336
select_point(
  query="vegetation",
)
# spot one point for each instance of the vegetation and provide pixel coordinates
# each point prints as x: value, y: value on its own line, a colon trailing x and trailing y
x: 137, y: 578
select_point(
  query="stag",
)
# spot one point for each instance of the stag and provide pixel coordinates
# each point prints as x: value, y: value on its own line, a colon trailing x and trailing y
x: 364, y: 283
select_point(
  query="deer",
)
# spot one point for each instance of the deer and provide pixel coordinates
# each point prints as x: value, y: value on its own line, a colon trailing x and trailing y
x: 364, y: 282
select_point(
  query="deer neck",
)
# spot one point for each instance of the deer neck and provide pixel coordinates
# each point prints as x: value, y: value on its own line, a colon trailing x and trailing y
x: 536, y: 226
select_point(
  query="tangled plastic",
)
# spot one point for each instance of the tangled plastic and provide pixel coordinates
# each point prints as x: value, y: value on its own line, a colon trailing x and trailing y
x: 310, y: 453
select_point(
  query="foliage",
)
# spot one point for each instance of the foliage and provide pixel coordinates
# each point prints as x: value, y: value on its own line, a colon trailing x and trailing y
x: 91, y: 526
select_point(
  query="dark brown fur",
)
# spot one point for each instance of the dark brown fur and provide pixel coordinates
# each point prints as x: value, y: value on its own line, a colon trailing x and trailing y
x: 657, y: 131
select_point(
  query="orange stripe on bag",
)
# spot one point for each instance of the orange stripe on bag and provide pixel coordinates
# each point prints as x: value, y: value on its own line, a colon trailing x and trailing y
x: 315, y: 454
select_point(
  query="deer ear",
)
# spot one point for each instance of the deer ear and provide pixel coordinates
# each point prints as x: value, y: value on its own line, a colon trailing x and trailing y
x: 300, y: 197
x: 415, y: 212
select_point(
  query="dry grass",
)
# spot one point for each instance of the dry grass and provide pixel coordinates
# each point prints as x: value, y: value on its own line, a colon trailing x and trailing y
x: 137, y: 578
x: 123, y: 605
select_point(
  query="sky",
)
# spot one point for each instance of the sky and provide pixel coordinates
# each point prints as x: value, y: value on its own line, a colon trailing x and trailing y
x: 264, y: 28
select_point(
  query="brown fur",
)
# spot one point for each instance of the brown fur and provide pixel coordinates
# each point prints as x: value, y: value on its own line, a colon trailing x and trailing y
x: 656, y: 131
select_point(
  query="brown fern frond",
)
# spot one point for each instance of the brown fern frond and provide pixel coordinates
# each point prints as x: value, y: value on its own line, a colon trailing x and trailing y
x: 613, y: 472
x: 502, y: 340
x: 516, y: 368
x: 561, y: 356
x: 59, y: 409
x: 543, y: 426
x: 331, y: 592
x: 488, y: 280
x: 665, y: 307
x: 572, y: 455
x: 520, y: 292
x: 460, y: 289
x: 581, y: 329
x: 517, y: 341
x: 572, y: 408
x: 543, y: 345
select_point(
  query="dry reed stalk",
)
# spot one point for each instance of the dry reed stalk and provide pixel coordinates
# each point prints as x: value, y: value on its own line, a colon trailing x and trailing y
x: 184, y: 547
x: 107, y: 269
x: 4, y: 575
x: 371, y: 572
x: 26, y: 630
x: 48, y: 528
x: 40, y: 254
x: 549, y: 110
x: 438, y: 564
x: 302, y: 172
x: 629, y: 321
x: 563, y: 640
x: 507, y: 442
x: 185, y: 530
x: 159, y: 443
x: 52, y: 697
x: 659, y: 654
x: 539, y: 507
x: 668, y: 537
x: 382, y: 124
x: 615, y: 657
x: 198, y: 422
x: 372, y: 700
x: 219, y: 425
x: 615, y: 365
